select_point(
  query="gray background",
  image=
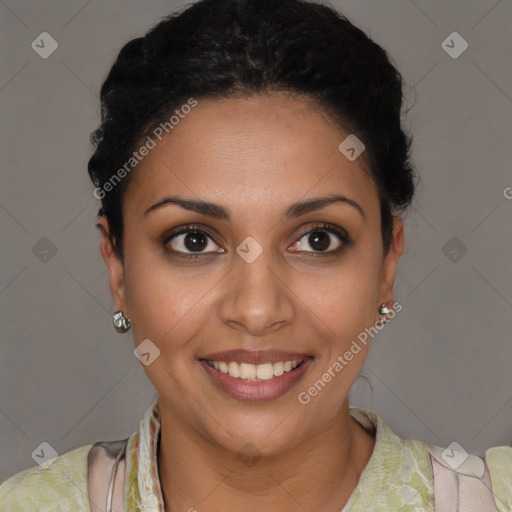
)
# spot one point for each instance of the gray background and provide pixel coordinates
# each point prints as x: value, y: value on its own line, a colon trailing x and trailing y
x: 441, y: 370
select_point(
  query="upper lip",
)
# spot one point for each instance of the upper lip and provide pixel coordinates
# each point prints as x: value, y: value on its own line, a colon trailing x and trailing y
x: 255, y: 357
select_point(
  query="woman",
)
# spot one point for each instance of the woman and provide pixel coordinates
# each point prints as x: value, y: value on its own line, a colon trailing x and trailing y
x: 253, y: 171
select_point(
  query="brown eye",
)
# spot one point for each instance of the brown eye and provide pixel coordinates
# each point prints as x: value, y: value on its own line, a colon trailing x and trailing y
x: 189, y: 241
x: 195, y: 241
x: 322, y: 239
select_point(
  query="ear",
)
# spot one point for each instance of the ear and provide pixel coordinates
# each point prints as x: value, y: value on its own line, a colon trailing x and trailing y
x: 391, y: 262
x: 115, y: 266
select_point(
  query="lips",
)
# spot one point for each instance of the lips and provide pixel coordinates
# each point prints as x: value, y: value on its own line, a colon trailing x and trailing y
x: 256, y: 376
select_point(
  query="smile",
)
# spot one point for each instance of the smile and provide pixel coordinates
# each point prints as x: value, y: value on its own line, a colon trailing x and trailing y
x: 256, y: 382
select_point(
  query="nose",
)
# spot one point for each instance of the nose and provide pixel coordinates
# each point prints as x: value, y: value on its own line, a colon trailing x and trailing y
x: 257, y: 298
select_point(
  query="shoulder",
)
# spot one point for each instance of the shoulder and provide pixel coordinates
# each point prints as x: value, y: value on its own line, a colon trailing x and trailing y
x: 469, y: 479
x: 436, y: 474
x: 62, y: 485
x: 398, y: 475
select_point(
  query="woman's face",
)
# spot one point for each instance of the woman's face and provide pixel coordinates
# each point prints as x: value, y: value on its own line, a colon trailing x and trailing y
x: 260, y: 276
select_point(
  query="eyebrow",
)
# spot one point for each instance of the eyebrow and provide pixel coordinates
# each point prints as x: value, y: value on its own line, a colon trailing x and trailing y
x: 219, y: 212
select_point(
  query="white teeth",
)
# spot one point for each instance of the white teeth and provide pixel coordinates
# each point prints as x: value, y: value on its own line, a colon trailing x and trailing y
x: 265, y: 371
x: 252, y: 372
x: 278, y: 368
x: 247, y: 371
x: 234, y: 369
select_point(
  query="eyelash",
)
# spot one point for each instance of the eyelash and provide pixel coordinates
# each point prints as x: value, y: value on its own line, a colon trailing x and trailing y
x: 196, y: 228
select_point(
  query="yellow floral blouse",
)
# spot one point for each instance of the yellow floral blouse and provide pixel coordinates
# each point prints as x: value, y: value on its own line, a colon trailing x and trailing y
x: 398, y: 475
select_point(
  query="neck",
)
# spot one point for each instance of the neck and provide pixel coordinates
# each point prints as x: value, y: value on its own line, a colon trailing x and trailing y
x: 320, y: 473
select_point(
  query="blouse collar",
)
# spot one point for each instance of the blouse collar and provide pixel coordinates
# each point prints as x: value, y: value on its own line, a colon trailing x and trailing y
x: 393, y: 466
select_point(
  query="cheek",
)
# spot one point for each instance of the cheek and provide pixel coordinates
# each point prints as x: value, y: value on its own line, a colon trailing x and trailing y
x: 157, y: 295
x: 343, y: 307
x: 169, y: 303
x: 162, y: 304
x: 344, y: 297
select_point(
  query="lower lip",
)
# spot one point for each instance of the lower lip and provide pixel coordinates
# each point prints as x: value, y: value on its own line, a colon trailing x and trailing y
x: 261, y: 391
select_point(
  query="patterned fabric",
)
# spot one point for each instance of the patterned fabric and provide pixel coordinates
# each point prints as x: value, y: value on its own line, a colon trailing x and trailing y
x: 142, y: 485
x: 398, y: 475
x: 499, y: 460
x: 60, y: 487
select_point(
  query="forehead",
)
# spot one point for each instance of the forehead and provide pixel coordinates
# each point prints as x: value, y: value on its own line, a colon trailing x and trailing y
x: 242, y: 151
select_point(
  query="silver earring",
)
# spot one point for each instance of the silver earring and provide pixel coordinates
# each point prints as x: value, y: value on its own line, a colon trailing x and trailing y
x: 120, y: 322
x: 384, y: 311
